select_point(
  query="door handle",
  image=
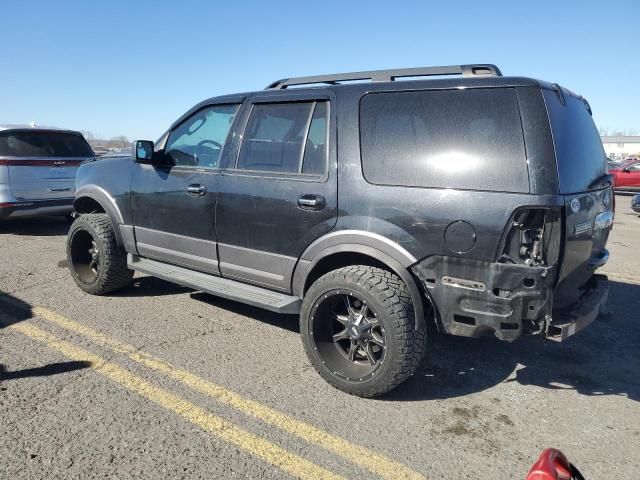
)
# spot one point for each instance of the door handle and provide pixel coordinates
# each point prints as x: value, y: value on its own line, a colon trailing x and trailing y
x: 196, y: 190
x: 311, y: 202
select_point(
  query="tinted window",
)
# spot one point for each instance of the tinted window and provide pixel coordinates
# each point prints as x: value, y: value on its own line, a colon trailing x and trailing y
x: 43, y: 144
x: 315, y: 150
x: 466, y: 139
x: 579, y: 152
x: 198, y: 141
x: 274, y: 137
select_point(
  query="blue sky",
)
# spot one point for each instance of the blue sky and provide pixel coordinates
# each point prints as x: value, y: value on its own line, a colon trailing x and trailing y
x: 131, y: 68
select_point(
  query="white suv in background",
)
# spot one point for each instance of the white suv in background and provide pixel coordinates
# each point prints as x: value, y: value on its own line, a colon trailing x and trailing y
x: 38, y: 170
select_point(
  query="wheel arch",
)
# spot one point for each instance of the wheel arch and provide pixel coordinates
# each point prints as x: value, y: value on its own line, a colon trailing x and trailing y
x: 96, y: 200
x: 336, y: 255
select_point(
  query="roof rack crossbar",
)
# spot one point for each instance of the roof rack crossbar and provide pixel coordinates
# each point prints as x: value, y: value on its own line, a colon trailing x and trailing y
x: 391, y: 75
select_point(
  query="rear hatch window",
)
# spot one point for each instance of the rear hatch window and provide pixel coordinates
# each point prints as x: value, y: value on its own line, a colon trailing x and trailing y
x: 579, y: 152
x: 38, y: 144
x: 463, y: 139
x: 42, y: 164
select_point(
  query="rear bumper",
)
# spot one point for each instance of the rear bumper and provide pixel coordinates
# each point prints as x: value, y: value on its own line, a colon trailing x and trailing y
x: 35, y: 208
x: 567, y: 322
x: 475, y: 298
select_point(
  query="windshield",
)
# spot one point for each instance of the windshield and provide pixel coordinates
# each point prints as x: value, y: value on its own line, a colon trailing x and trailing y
x: 43, y: 144
x: 579, y: 152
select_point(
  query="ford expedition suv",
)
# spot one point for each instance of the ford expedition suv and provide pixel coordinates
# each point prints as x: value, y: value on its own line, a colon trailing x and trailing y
x: 376, y: 205
x: 38, y: 170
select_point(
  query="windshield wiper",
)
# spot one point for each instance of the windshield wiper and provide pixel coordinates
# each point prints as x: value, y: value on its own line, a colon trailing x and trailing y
x: 605, y: 180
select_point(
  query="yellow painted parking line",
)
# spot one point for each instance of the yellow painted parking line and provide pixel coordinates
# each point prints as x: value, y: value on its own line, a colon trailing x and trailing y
x: 366, y: 458
x: 247, y: 441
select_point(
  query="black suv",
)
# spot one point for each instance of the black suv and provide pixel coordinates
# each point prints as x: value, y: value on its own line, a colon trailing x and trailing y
x: 374, y: 208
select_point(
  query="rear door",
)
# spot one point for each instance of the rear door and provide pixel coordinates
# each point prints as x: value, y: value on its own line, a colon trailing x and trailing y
x: 582, y: 170
x: 280, y: 190
x: 42, y: 164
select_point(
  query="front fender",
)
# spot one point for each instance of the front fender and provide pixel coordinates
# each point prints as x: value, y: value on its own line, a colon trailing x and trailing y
x: 106, y: 201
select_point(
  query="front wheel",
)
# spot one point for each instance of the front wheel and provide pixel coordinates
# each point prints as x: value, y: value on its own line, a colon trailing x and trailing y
x: 97, y: 264
x: 358, y: 329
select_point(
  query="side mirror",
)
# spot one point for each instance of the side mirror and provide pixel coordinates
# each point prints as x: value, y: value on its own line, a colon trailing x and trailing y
x: 143, y: 151
x: 626, y: 170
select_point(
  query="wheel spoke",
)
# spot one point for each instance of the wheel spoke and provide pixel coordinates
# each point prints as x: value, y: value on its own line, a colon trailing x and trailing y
x: 347, y: 301
x: 364, y: 310
x: 343, y: 319
x: 370, y: 357
x: 353, y: 348
x: 373, y: 322
x: 343, y: 335
x: 376, y: 339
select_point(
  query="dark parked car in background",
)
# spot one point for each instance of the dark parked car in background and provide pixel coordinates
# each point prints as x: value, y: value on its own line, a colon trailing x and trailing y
x: 475, y: 204
x: 38, y: 170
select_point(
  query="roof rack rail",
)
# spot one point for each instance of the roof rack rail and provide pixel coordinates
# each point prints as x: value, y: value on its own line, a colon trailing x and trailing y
x: 391, y: 75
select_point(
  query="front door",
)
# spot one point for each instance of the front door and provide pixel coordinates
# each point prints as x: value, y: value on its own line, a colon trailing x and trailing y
x: 173, y: 204
x: 280, y: 192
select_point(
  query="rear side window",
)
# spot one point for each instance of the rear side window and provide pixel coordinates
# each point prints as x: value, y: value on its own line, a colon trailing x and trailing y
x: 579, y: 152
x: 286, y: 138
x: 43, y: 144
x: 463, y: 139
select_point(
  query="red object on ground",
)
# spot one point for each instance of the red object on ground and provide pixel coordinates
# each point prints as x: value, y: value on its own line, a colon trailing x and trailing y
x: 551, y: 465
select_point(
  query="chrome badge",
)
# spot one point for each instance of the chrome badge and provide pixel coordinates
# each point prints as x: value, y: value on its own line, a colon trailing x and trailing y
x: 575, y: 205
x: 583, y: 228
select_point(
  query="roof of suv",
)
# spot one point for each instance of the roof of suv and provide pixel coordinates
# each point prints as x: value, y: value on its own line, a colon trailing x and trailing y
x: 37, y: 128
x: 359, y: 83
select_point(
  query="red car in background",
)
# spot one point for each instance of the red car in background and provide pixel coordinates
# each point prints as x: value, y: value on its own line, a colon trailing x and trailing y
x: 626, y: 176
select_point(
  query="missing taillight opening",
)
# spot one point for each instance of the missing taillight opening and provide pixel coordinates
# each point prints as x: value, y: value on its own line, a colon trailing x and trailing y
x: 533, y: 239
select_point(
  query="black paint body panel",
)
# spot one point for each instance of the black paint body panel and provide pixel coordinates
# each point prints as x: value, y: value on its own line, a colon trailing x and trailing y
x: 250, y: 227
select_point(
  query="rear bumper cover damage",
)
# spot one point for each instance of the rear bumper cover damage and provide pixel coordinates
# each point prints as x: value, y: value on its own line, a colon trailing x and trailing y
x: 474, y: 298
x: 570, y: 321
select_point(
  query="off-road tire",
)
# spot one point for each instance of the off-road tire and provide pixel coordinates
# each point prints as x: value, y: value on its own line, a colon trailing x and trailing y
x: 390, y: 298
x: 113, y: 273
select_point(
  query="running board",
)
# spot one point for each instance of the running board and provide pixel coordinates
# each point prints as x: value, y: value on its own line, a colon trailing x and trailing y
x: 222, y: 287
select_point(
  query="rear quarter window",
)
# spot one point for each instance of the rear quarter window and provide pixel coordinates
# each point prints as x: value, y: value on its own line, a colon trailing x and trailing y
x: 579, y: 151
x: 463, y: 139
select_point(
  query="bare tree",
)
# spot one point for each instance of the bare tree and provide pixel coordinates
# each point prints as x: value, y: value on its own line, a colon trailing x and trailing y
x: 88, y: 135
x: 120, y: 141
x: 604, y: 131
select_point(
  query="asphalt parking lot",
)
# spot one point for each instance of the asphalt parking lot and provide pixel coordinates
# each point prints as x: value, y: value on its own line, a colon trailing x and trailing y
x: 159, y: 381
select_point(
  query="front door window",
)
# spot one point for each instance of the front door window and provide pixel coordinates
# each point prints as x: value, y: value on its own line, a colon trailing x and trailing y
x: 198, y: 141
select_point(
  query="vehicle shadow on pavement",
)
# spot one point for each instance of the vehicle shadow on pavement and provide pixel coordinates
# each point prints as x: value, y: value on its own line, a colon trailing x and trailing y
x: 12, y: 311
x: 150, y: 287
x: 50, y: 369
x: 603, y: 359
x: 287, y: 322
x: 39, y: 227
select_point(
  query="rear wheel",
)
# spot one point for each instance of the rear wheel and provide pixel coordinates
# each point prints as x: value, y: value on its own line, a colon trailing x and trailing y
x: 358, y: 329
x: 97, y: 264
